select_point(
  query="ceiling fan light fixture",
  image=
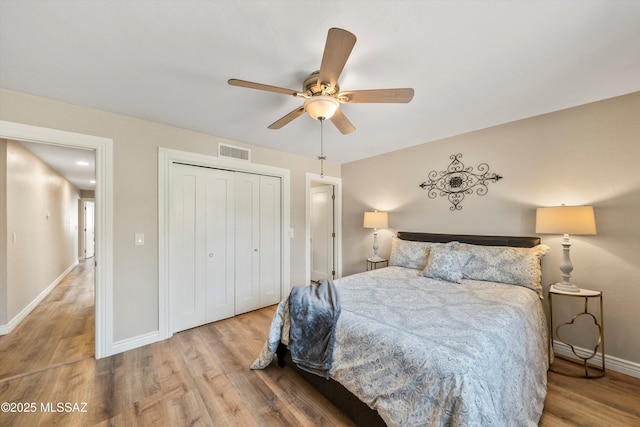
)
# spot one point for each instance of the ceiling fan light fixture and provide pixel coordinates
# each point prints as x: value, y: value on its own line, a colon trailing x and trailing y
x: 322, y: 91
x: 321, y: 106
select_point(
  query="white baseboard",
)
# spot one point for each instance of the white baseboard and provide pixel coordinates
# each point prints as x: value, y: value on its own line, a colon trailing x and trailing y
x: 11, y: 325
x: 614, y: 363
x: 135, y: 342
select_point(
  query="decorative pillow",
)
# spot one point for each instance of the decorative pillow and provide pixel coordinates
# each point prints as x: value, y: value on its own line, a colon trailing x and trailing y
x: 446, y: 263
x: 405, y: 253
x: 505, y: 264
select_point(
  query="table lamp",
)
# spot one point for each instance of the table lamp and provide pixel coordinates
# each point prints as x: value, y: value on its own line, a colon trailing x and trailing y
x: 376, y: 220
x: 566, y: 220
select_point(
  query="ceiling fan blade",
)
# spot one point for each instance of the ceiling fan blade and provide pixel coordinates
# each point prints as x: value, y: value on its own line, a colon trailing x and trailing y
x: 342, y: 123
x: 287, y: 118
x: 336, y: 52
x: 260, y: 86
x: 402, y: 95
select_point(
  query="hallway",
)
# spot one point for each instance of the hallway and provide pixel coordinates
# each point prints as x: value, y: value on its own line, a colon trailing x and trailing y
x: 60, y: 330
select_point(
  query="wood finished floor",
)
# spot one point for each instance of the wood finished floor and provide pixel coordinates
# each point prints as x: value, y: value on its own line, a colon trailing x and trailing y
x: 200, y: 377
x: 59, y: 330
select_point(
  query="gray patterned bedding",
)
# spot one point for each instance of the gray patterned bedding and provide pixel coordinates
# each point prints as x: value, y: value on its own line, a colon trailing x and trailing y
x: 426, y: 352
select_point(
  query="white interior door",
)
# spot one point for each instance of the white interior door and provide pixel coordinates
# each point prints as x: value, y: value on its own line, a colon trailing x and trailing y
x: 225, y: 244
x: 89, y: 229
x: 247, y: 205
x: 201, y: 246
x: 187, y: 247
x: 258, y: 241
x: 270, y: 241
x: 322, y: 232
x: 220, y: 245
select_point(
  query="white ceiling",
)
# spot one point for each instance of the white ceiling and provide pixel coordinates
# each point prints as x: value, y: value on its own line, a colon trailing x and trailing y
x: 65, y: 161
x: 473, y: 64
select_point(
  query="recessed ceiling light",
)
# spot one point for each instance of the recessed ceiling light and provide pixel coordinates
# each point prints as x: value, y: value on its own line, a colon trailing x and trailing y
x: 93, y: 181
x: 81, y: 163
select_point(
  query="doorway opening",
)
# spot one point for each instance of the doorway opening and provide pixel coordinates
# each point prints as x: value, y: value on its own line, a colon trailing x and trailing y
x: 323, y: 227
x: 103, y: 148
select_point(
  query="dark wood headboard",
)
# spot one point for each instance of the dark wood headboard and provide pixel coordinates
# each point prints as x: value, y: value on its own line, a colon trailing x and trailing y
x: 515, y: 241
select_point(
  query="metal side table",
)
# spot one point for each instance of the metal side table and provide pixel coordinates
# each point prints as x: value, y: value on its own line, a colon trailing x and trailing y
x: 590, y: 370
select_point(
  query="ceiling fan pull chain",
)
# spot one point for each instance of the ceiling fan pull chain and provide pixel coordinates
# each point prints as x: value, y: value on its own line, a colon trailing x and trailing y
x: 321, y: 157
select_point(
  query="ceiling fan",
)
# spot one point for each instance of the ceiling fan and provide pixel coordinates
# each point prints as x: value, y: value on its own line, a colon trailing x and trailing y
x: 321, y: 90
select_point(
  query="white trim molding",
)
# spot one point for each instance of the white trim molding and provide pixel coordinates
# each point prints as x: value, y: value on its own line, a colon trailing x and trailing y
x: 135, y: 342
x: 166, y: 158
x: 614, y: 363
x: 11, y: 325
x: 104, y: 216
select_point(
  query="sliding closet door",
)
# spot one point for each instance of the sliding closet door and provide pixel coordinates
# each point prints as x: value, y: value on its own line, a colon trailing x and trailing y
x: 201, y: 245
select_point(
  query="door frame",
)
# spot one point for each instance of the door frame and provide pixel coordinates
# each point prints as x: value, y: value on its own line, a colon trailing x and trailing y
x: 337, y: 183
x: 103, y: 148
x: 166, y: 158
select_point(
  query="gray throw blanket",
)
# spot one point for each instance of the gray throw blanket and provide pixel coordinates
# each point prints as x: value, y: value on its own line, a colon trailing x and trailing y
x: 314, y: 312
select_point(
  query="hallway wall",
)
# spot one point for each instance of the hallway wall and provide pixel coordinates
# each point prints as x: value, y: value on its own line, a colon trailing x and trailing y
x: 41, y: 231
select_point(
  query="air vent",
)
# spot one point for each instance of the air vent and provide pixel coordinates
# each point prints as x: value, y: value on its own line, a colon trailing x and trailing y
x: 230, y: 151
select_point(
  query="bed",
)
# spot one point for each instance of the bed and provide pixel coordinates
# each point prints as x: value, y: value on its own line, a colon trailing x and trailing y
x: 452, y: 333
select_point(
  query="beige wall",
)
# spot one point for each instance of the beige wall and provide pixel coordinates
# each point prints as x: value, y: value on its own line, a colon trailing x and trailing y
x: 42, y: 213
x: 584, y: 155
x: 135, y: 146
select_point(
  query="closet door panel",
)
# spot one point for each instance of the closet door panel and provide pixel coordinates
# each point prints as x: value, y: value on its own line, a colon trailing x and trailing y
x: 247, y: 250
x: 220, y: 228
x: 270, y: 237
x: 225, y: 244
x: 186, y: 270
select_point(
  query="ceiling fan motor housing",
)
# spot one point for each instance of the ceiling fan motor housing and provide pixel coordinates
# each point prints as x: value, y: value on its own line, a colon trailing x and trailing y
x: 313, y: 87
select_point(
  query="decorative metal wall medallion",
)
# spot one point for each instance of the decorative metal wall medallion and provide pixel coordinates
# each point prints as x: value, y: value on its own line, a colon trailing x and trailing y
x: 459, y: 180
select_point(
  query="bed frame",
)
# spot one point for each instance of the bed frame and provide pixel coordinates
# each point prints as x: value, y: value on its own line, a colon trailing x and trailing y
x: 357, y: 410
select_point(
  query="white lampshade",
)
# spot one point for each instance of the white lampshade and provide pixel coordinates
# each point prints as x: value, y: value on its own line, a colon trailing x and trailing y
x: 566, y: 220
x: 321, y: 106
x: 376, y: 220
